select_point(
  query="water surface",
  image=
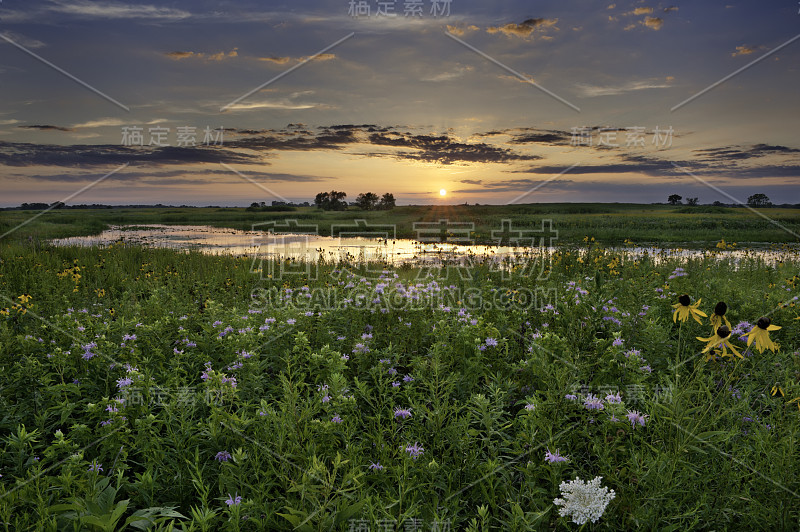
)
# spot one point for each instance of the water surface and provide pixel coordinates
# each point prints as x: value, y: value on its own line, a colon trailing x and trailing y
x: 311, y: 247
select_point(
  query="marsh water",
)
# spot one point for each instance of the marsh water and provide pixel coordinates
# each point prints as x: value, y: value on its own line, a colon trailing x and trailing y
x: 311, y: 247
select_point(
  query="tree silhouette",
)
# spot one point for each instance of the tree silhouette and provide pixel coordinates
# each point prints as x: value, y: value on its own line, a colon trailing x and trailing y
x: 322, y: 200
x: 675, y: 199
x: 387, y: 202
x: 759, y: 200
x: 367, y: 201
x: 337, y: 202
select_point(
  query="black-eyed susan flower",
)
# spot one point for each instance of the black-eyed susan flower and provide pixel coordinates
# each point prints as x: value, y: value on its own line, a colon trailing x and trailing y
x: 721, y: 339
x: 685, y: 308
x: 718, y: 317
x: 760, y: 333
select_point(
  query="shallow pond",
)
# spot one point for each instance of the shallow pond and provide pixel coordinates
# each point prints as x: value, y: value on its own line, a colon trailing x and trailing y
x: 298, y: 246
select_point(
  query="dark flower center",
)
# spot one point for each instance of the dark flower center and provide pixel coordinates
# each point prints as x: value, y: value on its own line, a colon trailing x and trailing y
x: 723, y: 331
x: 763, y: 322
x: 684, y: 300
x: 721, y: 308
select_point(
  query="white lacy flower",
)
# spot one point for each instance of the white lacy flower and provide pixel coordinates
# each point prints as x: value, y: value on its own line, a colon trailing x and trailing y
x: 583, y: 501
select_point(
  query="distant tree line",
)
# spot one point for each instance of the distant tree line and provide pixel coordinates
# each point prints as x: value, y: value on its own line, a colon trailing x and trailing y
x: 368, y: 201
x: 371, y: 202
x: 756, y: 200
x: 277, y: 206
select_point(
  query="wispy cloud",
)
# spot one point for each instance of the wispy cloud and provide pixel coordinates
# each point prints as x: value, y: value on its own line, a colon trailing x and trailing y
x: 456, y: 72
x: 116, y: 10
x: 276, y: 60
x: 461, y: 29
x: 743, y: 50
x: 283, y: 60
x: 219, y: 56
x: 592, y: 91
x: 526, y: 28
x: 288, y: 103
x: 654, y: 23
x: 22, y: 40
x: 101, y: 122
x: 271, y: 104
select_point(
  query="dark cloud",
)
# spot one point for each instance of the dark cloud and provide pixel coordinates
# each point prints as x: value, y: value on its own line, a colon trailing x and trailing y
x: 86, y: 156
x: 542, y: 138
x: 46, y: 128
x: 327, y: 139
x: 530, y: 135
x: 742, y: 153
x: 176, y: 177
x: 444, y: 150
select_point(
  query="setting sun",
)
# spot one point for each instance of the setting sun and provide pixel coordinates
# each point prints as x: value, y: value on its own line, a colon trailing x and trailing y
x: 442, y: 192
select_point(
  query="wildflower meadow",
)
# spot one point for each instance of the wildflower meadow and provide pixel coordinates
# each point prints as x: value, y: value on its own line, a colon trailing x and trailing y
x: 154, y: 389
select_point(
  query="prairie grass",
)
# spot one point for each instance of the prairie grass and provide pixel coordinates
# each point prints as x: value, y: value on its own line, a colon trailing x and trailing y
x: 251, y: 402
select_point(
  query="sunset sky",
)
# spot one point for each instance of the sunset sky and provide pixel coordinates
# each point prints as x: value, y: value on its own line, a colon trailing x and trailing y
x: 485, y: 102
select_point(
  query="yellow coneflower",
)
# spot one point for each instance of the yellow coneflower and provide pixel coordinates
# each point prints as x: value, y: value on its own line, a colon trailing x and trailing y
x: 760, y: 333
x: 685, y: 308
x: 720, y: 339
x: 718, y: 316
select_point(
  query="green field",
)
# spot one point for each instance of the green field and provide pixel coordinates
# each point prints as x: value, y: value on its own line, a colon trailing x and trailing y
x: 610, y: 224
x: 151, y: 388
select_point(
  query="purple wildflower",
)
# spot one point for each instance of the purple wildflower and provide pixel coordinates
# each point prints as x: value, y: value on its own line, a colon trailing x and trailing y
x: 223, y: 456
x: 613, y: 399
x: 554, y: 457
x: 402, y: 412
x: 233, y: 501
x: 593, y: 403
x: 635, y: 417
x: 415, y: 451
x: 375, y: 466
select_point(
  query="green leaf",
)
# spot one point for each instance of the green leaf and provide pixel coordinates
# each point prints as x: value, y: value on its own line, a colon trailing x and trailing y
x: 350, y: 511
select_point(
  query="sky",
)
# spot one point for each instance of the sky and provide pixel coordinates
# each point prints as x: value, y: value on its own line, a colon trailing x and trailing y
x: 228, y: 102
